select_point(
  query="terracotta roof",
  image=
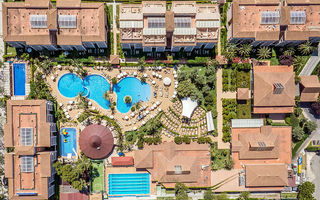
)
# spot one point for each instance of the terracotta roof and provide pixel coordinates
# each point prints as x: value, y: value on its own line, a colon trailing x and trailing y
x: 310, y: 88
x: 37, y: 3
x: 74, y: 196
x: 122, y: 161
x: 265, y: 80
x: 96, y: 141
x: 166, y: 160
x: 266, y: 175
x: 243, y: 94
x: 114, y: 59
x: 68, y: 3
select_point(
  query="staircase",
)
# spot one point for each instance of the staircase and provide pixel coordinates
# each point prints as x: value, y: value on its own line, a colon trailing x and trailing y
x: 311, y: 64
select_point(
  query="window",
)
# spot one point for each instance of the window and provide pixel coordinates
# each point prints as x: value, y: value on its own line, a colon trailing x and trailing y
x: 297, y: 17
x: 38, y: 21
x: 26, y: 136
x: 182, y: 22
x: 268, y: 17
x: 156, y: 22
x: 26, y: 164
x: 67, y: 21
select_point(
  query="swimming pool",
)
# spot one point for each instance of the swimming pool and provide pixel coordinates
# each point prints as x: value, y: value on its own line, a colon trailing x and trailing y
x: 68, y: 142
x: 92, y: 86
x: 19, y: 78
x: 133, y: 87
x: 135, y: 184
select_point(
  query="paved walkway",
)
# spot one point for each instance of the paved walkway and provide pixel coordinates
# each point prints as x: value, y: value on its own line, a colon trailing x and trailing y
x: 220, y: 96
x: 114, y: 28
x: 1, y: 38
x: 311, y: 64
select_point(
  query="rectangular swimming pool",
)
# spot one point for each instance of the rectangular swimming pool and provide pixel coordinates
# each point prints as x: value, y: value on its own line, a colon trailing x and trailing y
x: 19, y: 79
x: 68, y: 141
x: 135, y: 184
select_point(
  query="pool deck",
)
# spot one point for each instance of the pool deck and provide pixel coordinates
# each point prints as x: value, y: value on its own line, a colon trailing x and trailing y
x: 126, y: 125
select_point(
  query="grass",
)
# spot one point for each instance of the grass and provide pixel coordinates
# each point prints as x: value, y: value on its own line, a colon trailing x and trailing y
x: 243, y: 79
x: 186, y: 68
x: 289, y: 195
x: 11, y: 51
x: 97, y: 176
x: 111, y: 44
x: 298, y: 145
x: 110, y: 14
x: 244, y: 110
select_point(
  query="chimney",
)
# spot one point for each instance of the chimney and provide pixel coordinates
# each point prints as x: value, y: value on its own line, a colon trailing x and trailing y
x: 278, y: 88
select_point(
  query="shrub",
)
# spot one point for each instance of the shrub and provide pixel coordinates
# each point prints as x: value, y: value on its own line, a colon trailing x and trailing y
x: 178, y: 140
x: 114, y: 80
x: 186, y: 139
x: 140, y: 143
x: 127, y: 99
x: 143, y: 79
x: 316, y: 107
x: 133, y: 109
x: 286, y: 60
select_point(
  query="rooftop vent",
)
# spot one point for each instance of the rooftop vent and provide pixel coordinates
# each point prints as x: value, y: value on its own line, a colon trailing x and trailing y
x: 278, y: 88
x: 177, y: 169
x: 262, y: 144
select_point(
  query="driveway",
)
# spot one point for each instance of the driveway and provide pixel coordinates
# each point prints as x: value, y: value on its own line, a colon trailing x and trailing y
x: 313, y: 173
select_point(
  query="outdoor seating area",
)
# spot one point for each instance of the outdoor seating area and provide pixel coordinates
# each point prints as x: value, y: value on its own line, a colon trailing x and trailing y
x: 177, y: 125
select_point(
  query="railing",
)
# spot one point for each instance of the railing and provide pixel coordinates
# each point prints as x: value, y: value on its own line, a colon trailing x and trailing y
x: 51, y: 191
x: 49, y: 118
x: 50, y: 180
x: 53, y: 140
x: 49, y: 106
x: 53, y: 127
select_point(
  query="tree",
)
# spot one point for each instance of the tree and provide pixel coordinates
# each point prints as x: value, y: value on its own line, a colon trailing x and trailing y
x: 306, y: 48
x: 200, y: 81
x: 143, y: 79
x: 183, y: 75
x: 181, y: 191
x: 297, y: 133
x: 45, y: 65
x: 264, y: 53
x: 142, y: 63
x: 244, y: 196
x: 208, y: 195
x: 289, y: 52
x: 245, y: 50
x: 231, y: 51
x: 178, y: 140
x: 127, y: 99
x: 306, y: 191
x: 114, y: 81
x: 186, y: 139
x: 106, y: 95
x: 310, y: 126
x: 316, y: 107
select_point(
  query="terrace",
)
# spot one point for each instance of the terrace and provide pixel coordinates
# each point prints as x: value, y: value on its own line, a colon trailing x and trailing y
x: 130, y: 12
x: 184, y: 7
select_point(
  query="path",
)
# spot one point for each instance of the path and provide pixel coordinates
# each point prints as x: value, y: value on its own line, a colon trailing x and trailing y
x: 311, y: 64
x: 1, y: 38
x: 220, y: 96
x: 114, y: 27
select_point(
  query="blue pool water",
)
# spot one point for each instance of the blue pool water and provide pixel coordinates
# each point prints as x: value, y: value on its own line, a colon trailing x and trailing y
x: 67, y: 147
x: 137, y: 184
x: 132, y: 87
x: 19, y: 78
x: 92, y: 86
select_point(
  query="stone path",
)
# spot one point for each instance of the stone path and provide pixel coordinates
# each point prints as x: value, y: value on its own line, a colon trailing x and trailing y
x: 311, y: 64
x: 114, y: 28
x: 221, y: 95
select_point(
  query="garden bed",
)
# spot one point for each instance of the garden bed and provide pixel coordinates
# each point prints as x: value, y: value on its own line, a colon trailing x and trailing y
x: 233, y: 79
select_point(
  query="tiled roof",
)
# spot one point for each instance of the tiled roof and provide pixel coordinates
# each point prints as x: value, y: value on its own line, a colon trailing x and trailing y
x: 122, y: 161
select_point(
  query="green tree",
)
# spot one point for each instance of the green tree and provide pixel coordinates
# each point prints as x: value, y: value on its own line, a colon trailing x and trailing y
x: 186, y: 139
x: 289, y: 52
x: 181, y: 191
x: 245, y: 50
x: 208, y: 195
x: 127, y: 99
x: 297, y: 133
x: 183, y: 75
x: 106, y: 95
x: 306, y: 48
x: 114, y: 81
x: 45, y: 65
x: 143, y: 79
x: 306, y: 191
x: 310, y: 126
x: 244, y: 196
x: 141, y: 63
x: 264, y: 53
x: 231, y: 51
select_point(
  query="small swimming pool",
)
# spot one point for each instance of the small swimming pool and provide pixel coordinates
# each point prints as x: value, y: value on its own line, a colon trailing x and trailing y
x: 68, y: 141
x: 135, y: 184
x: 133, y: 87
x: 19, y: 78
x: 92, y: 86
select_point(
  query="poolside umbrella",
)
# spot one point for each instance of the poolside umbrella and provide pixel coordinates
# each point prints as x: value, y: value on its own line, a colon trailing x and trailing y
x: 158, y: 102
x: 69, y: 107
x: 89, y: 103
x: 52, y: 77
x: 118, y: 77
x: 157, y: 75
x: 153, y: 82
x: 160, y: 76
x: 66, y: 113
x: 124, y: 73
x: 98, y: 67
x: 159, y: 109
x: 60, y: 104
x: 134, y: 128
x: 174, y: 72
x: 160, y: 68
x: 96, y: 141
x: 64, y: 110
x: 166, y: 81
x: 68, y: 116
x: 111, y: 116
x: 132, y: 114
x: 126, y: 117
x: 175, y: 92
x: 145, y: 75
x: 101, y: 68
x: 153, y: 73
x: 135, y: 73
x: 70, y: 102
x: 143, y: 123
x: 59, y: 66
x: 175, y: 76
x: 176, y: 86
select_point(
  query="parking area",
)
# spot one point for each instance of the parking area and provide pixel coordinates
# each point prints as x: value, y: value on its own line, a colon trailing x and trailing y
x: 313, y: 175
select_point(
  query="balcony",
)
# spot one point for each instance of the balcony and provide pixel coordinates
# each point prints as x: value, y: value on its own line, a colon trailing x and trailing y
x: 50, y: 191
x: 49, y: 106
x: 50, y: 180
x: 53, y: 156
x: 49, y: 118
x: 53, y: 127
x: 53, y: 140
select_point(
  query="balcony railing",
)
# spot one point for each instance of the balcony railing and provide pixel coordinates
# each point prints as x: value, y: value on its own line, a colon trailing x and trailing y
x: 53, y: 127
x: 53, y: 140
x: 51, y: 191
x: 49, y: 106
x: 49, y: 117
x: 53, y: 155
x: 50, y: 180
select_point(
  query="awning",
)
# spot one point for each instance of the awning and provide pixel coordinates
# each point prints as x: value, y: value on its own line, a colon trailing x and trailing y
x: 154, y: 31
x: 210, y: 125
x: 246, y: 123
x: 207, y: 24
x: 131, y: 24
x: 188, y: 106
x: 184, y: 31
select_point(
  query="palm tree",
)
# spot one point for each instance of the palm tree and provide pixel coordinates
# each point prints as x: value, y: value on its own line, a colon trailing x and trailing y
x: 289, y: 52
x: 106, y: 95
x: 46, y: 66
x: 83, y: 101
x: 142, y: 63
x: 245, y: 50
x: 231, y: 51
x: 306, y: 48
x: 79, y: 68
x: 264, y: 53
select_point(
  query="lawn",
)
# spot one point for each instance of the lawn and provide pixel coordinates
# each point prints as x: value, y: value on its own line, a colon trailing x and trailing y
x: 244, y: 110
x: 97, y: 176
x: 233, y: 79
x: 243, y: 79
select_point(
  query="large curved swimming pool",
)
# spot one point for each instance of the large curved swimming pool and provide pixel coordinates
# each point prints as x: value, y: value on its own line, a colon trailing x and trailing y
x: 92, y: 86
x: 133, y: 87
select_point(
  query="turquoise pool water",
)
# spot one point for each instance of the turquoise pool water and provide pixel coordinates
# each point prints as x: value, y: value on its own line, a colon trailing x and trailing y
x: 19, y: 78
x: 132, y: 87
x: 92, y: 86
x: 68, y: 142
x: 137, y: 184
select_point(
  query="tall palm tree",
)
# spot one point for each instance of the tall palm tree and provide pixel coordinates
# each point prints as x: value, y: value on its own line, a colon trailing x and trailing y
x: 264, y: 53
x: 306, y: 48
x: 245, y: 50
x: 46, y: 65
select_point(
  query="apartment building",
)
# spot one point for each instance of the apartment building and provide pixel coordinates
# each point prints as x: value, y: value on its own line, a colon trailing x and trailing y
x: 273, y: 22
x: 152, y: 28
x: 29, y: 168
x: 38, y: 25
